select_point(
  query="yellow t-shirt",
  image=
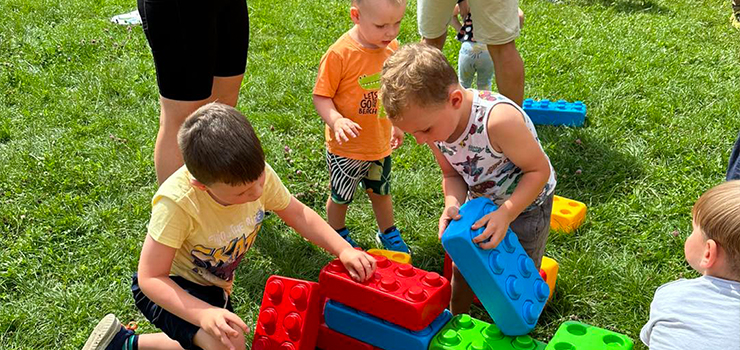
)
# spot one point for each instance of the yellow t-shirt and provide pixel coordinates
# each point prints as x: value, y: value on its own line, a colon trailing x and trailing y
x: 349, y: 74
x: 210, y: 238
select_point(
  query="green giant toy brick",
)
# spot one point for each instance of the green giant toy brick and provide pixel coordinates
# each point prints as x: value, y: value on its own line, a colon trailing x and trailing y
x: 572, y: 335
x: 466, y: 333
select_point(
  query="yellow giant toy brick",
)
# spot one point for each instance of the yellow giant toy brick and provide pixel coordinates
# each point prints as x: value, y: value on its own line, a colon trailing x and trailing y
x: 400, y: 257
x: 550, y: 267
x: 567, y: 214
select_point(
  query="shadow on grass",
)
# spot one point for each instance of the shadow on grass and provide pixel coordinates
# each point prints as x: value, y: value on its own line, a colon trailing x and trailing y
x: 628, y: 6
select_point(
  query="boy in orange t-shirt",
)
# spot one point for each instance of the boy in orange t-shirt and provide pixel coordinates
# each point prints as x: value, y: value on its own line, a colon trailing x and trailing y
x: 359, y: 137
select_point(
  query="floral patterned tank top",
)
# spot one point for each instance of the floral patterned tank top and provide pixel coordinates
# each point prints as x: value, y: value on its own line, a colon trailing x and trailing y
x: 487, y: 172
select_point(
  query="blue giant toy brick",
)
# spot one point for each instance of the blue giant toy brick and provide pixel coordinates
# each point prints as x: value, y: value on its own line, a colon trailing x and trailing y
x: 548, y: 112
x: 374, y: 331
x: 504, y: 278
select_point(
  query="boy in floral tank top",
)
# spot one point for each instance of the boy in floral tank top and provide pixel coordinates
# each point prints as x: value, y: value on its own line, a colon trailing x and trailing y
x: 485, y: 145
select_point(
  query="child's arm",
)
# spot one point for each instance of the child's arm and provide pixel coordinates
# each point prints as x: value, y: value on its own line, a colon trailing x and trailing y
x: 310, y: 225
x: 342, y: 127
x: 454, y: 188
x: 509, y: 135
x: 154, y: 281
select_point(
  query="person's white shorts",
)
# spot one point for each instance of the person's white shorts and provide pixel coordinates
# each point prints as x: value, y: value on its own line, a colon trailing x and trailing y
x: 495, y: 22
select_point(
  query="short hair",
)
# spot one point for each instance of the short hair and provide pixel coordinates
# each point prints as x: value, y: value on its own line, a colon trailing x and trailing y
x: 415, y: 73
x: 717, y: 213
x: 394, y: 2
x: 219, y: 144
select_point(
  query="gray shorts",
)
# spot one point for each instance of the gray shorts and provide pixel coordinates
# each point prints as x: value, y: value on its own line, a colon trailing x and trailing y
x: 532, y: 227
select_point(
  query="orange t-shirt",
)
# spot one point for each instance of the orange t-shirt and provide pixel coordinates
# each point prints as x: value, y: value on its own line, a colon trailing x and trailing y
x: 349, y: 74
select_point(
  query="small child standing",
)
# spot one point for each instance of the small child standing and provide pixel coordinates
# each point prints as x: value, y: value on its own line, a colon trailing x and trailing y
x: 359, y: 138
x: 704, y: 312
x: 485, y: 145
x: 205, y: 217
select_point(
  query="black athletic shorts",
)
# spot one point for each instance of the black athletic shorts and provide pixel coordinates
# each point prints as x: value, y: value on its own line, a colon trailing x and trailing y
x: 193, y: 41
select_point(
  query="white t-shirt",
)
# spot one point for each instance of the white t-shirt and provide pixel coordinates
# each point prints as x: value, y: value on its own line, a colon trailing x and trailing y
x: 700, y: 313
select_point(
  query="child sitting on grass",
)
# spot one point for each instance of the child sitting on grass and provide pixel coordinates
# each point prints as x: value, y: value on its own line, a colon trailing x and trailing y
x: 704, y: 312
x: 485, y: 145
x: 205, y: 217
x: 359, y: 138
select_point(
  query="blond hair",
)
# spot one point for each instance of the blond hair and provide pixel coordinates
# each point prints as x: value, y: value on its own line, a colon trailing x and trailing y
x: 219, y: 144
x: 717, y: 213
x: 415, y: 73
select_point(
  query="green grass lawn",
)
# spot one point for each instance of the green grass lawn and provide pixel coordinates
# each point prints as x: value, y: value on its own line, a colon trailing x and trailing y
x: 78, y: 119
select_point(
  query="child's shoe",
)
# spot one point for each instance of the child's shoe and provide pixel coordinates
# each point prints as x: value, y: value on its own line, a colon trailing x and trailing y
x: 391, y: 240
x: 110, y: 334
x: 344, y: 233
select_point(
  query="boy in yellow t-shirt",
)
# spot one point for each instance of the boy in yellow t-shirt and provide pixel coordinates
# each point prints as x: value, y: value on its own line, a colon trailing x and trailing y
x: 204, y: 219
x: 359, y: 138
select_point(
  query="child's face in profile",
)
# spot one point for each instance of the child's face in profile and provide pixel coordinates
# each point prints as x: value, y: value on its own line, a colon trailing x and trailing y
x: 226, y: 194
x: 694, y: 248
x: 427, y: 124
x: 378, y: 21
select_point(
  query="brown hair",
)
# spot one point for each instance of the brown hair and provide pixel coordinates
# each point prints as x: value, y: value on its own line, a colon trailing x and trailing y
x: 218, y: 144
x: 717, y: 213
x: 415, y: 73
x: 394, y: 2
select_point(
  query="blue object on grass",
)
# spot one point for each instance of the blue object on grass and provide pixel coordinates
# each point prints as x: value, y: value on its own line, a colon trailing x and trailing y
x: 377, y: 332
x: 546, y: 112
x: 504, y: 278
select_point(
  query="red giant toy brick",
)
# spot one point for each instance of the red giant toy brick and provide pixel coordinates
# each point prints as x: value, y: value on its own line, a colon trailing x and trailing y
x: 398, y: 293
x: 330, y: 339
x: 289, y: 315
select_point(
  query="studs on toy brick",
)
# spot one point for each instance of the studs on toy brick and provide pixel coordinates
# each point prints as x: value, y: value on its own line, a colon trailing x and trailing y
x: 432, y: 279
x: 275, y: 291
x: 479, y: 345
x: 415, y: 293
x: 492, y: 332
x: 464, y: 322
x: 508, y: 243
x: 528, y: 312
x: 496, y: 263
x: 612, y: 341
x: 268, y: 319
x: 405, y: 270
x: 525, y: 265
x: 263, y: 343
x: 336, y: 267
x: 287, y: 346
x: 541, y: 290
x: 450, y: 338
x: 576, y: 329
x: 513, y: 290
x: 299, y: 296
x: 292, y: 325
x: 564, y: 346
x: 543, y: 274
x: 381, y: 261
x: 389, y: 284
x: 524, y: 342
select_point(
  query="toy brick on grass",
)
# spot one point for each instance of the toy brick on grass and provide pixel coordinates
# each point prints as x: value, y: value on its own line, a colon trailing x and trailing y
x: 572, y: 335
x: 549, y: 268
x: 400, y: 257
x: 567, y: 214
x: 503, y: 278
x: 546, y: 112
x: 380, y: 333
x: 330, y: 339
x: 399, y: 293
x: 466, y: 333
x: 289, y: 315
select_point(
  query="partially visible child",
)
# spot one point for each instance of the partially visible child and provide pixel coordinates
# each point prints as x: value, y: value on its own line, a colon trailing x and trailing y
x: 704, y: 312
x: 359, y: 138
x: 205, y: 217
x: 473, y: 59
x: 485, y: 145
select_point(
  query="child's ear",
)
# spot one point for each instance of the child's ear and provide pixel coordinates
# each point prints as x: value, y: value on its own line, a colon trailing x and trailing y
x: 197, y: 184
x: 354, y: 14
x: 710, y: 257
x: 456, y: 97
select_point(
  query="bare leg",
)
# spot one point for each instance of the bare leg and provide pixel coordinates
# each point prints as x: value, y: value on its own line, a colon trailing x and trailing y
x: 208, y: 342
x: 509, y: 69
x: 157, y: 341
x: 436, y: 42
x: 167, y: 156
x: 462, y: 295
x: 383, y: 208
x: 336, y: 214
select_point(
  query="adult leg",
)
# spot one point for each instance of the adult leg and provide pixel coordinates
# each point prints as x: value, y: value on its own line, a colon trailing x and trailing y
x: 462, y: 294
x: 509, y: 68
x: 226, y: 89
x: 433, y: 17
x: 167, y: 156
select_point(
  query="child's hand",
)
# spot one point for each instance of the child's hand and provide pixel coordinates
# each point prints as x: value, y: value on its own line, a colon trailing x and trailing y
x: 223, y: 324
x: 449, y: 214
x: 360, y: 265
x: 396, y: 138
x: 345, y: 128
x: 496, y: 224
